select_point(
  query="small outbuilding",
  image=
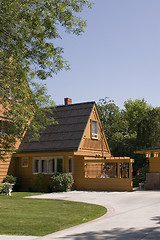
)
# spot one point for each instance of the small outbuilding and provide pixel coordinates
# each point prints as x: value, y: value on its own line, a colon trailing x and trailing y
x: 153, y: 177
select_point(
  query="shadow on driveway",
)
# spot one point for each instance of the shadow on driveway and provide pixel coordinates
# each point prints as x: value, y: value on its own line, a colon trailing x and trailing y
x: 119, y: 234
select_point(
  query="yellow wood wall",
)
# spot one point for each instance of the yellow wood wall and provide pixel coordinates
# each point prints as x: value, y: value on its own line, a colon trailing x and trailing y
x: 101, y: 184
x: 4, y: 165
x: 26, y: 173
x: 97, y: 149
x: 91, y: 146
x: 104, y: 184
x: 154, y: 164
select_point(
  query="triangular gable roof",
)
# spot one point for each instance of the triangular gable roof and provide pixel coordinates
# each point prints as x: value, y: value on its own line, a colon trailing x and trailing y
x: 87, y: 142
x: 67, y: 134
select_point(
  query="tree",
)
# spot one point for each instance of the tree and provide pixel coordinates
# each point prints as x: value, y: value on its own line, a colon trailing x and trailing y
x: 28, y: 28
x: 135, y: 127
x: 114, y: 125
x: 134, y: 112
x: 19, y: 104
x: 148, y: 133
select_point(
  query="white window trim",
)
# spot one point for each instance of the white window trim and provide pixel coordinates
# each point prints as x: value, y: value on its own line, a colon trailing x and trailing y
x: 94, y: 135
x: 47, y: 159
x: 22, y: 159
x: 72, y: 164
x: 56, y: 164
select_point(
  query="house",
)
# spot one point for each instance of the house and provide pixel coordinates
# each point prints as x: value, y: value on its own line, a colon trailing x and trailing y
x: 76, y: 145
x: 153, y: 177
x: 5, y: 157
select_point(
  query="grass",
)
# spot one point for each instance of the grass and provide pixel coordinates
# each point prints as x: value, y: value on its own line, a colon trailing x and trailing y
x: 39, y: 217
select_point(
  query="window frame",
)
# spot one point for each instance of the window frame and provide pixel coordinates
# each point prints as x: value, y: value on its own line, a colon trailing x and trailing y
x: 72, y: 164
x: 22, y: 163
x: 94, y: 134
x: 48, y: 169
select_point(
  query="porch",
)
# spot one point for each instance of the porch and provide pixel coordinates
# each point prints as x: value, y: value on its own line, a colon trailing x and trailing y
x: 111, y: 174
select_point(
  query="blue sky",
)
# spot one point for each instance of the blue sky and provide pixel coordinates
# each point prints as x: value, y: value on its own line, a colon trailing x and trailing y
x: 118, y: 56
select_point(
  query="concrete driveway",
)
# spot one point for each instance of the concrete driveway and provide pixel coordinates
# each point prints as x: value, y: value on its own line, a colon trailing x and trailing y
x: 131, y: 215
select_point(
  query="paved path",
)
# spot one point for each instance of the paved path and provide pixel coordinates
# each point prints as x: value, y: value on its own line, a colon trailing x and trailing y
x: 131, y: 215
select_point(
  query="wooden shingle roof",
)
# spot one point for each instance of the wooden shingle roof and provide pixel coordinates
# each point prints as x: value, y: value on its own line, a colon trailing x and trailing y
x: 67, y: 134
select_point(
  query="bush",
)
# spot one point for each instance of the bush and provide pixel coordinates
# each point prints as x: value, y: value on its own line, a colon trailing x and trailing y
x: 39, y: 183
x: 10, y: 179
x: 18, y: 185
x: 139, y: 179
x: 2, y: 188
x: 61, y: 182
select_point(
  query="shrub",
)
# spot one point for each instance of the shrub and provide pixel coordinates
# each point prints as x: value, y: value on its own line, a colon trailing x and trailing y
x: 2, y: 188
x: 10, y: 179
x: 61, y: 182
x: 138, y: 179
x: 39, y: 183
x: 18, y: 185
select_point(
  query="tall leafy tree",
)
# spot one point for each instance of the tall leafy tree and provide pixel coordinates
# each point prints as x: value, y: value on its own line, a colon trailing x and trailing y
x: 114, y: 125
x: 28, y: 28
x: 134, y: 112
x: 27, y: 34
x: 148, y: 133
x: 132, y: 128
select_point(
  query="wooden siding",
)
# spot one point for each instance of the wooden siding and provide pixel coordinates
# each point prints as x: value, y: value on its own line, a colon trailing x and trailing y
x: 90, y: 150
x: 5, y: 167
x: 95, y: 146
x: 154, y: 164
x: 104, y: 184
x: 101, y: 184
x: 27, y: 174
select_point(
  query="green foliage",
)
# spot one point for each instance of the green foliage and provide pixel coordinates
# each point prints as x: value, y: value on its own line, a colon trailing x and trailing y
x: 61, y: 182
x: 17, y: 181
x: 38, y: 217
x: 39, y: 183
x: 114, y: 125
x: 148, y: 133
x: 28, y: 51
x: 134, y: 112
x: 139, y: 179
x: 10, y: 179
x: 23, y: 104
x: 135, y: 127
x: 2, y: 188
x: 28, y: 28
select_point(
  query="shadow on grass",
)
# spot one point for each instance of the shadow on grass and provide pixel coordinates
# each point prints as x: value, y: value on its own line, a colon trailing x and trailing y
x: 152, y: 233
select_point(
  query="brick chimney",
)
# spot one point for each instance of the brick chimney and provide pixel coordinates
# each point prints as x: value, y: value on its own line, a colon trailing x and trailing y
x: 67, y: 101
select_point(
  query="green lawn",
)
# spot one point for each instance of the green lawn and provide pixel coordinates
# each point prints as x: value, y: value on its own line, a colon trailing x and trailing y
x: 38, y: 217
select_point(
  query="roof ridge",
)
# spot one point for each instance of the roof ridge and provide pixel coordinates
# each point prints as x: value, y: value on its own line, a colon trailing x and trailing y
x: 73, y: 104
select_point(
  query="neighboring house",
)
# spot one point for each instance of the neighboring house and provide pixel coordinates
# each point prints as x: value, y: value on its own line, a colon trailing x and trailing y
x: 76, y: 145
x: 5, y: 161
x: 153, y: 177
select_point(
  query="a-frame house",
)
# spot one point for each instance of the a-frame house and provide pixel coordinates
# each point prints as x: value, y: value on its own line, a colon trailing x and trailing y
x: 76, y: 145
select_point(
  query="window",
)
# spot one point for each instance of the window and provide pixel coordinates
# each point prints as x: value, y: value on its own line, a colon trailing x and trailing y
x: 51, y: 166
x: 36, y: 166
x: 43, y: 166
x: 59, y: 165
x: 70, y: 164
x: 124, y: 170
x: 48, y: 165
x: 24, y: 162
x: 94, y: 130
x: 110, y: 170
